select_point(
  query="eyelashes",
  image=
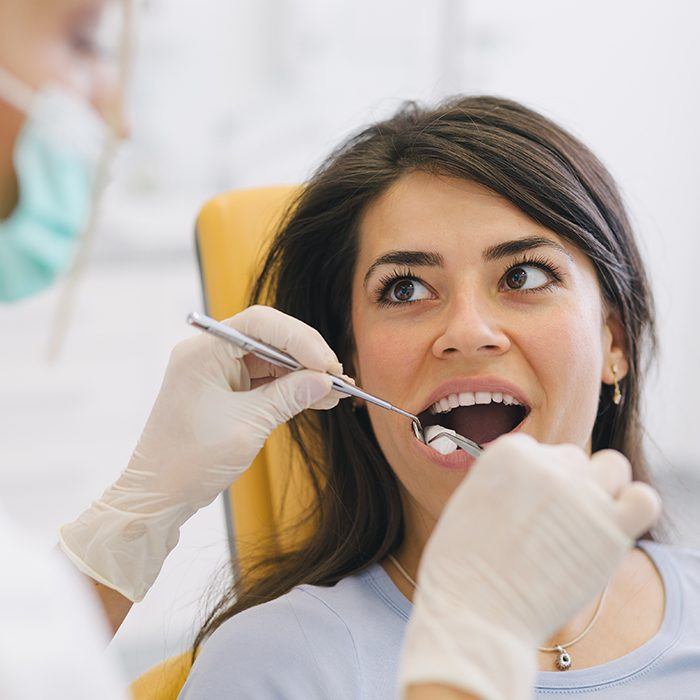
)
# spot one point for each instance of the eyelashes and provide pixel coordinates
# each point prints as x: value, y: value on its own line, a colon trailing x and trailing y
x: 542, y: 263
x: 556, y: 277
x: 386, y: 282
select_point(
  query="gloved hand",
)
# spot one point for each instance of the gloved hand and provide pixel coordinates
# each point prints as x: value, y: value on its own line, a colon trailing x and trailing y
x: 529, y: 537
x: 204, y: 430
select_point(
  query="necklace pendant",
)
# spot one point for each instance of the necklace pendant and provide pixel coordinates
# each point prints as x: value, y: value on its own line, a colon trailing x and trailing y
x: 563, y: 661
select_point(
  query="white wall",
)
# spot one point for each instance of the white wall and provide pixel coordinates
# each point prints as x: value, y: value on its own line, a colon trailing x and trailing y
x: 233, y: 94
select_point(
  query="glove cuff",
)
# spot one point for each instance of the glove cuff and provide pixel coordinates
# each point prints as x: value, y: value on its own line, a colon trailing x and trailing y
x: 120, y: 549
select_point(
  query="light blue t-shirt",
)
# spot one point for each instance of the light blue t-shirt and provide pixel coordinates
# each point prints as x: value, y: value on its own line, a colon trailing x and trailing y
x: 344, y: 642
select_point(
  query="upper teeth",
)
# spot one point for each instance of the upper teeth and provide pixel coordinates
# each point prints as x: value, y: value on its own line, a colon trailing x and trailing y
x: 469, y: 398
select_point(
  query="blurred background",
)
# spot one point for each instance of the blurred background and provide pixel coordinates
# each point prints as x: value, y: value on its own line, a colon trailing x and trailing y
x: 239, y: 93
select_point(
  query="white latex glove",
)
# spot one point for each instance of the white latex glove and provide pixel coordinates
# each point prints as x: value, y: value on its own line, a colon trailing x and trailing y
x: 529, y: 537
x: 204, y: 430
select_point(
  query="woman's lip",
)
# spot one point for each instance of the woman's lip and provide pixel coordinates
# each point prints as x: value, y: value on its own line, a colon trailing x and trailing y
x: 486, y: 383
x: 459, y: 459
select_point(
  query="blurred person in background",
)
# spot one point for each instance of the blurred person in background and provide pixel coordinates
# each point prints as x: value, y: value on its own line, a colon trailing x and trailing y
x: 59, y: 101
x: 61, y: 88
x: 61, y: 97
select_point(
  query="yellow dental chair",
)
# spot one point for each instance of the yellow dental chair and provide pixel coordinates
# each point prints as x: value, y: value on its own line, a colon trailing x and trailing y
x: 231, y: 234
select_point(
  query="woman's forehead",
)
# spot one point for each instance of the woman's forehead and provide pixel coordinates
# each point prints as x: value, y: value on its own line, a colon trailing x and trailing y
x: 422, y: 211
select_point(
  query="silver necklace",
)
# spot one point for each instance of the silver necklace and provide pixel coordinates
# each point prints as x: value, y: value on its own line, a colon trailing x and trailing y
x: 563, y: 661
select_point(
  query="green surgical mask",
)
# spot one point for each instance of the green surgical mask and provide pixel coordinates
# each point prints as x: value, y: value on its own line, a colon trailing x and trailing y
x: 55, y: 160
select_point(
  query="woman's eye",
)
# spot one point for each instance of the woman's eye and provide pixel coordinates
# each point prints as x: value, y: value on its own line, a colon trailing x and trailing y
x: 409, y: 289
x: 526, y: 277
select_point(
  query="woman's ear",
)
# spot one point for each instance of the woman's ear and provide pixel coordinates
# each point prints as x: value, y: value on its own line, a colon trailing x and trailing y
x: 614, y: 350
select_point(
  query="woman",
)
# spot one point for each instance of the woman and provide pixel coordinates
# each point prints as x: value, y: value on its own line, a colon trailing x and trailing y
x: 474, y: 264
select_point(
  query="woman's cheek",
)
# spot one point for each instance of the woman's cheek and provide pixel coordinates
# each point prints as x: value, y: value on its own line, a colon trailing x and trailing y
x: 561, y: 337
x: 388, y: 357
x: 565, y: 356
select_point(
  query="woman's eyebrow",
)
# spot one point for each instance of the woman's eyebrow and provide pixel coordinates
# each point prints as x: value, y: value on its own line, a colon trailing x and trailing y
x: 420, y: 258
x: 414, y: 258
x: 520, y: 245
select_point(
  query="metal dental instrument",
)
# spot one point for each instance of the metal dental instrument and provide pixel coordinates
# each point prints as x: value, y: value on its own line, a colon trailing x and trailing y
x: 280, y: 358
x: 466, y: 444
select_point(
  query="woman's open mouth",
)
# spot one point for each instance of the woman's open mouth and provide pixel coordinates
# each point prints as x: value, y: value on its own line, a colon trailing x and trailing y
x: 481, y: 416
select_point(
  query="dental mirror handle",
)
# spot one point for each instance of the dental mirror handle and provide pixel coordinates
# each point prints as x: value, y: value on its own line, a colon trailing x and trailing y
x: 251, y: 345
x: 282, y: 359
x: 343, y: 386
x: 347, y: 388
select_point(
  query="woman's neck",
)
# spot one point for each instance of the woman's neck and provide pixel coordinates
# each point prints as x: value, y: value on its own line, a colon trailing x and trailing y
x: 409, y: 553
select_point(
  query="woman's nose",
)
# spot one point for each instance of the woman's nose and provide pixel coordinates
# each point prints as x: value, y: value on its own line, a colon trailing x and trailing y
x: 472, y: 326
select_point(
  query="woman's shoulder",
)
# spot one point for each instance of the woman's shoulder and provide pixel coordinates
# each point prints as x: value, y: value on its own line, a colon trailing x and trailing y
x: 292, y: 642
x: 680, y: 561
x: 271, y: 651
x: 680, y: 553
x: 367, y: 594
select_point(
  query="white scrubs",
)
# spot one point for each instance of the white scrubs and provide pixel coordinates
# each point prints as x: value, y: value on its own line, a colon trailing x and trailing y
x: 52, y: 631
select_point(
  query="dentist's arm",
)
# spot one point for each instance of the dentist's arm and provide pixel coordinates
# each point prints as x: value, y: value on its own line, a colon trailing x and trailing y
x: 115, y: 606
x: 527, y: 539
x: 215, y: 409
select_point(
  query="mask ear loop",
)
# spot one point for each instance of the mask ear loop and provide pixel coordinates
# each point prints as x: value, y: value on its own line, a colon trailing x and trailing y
x: 66, y: 303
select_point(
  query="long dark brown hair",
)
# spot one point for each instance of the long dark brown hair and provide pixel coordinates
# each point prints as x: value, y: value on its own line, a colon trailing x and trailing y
x: 549, y: 175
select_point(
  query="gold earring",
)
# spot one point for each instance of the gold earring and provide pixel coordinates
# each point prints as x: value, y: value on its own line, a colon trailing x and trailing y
x: 617, y: 394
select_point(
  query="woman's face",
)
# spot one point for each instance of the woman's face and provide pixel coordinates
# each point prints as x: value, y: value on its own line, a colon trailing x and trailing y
x: 458, y: 293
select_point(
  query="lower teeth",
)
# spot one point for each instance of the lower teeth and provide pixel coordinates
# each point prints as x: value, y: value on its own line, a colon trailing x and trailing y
x: 443, y: 445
